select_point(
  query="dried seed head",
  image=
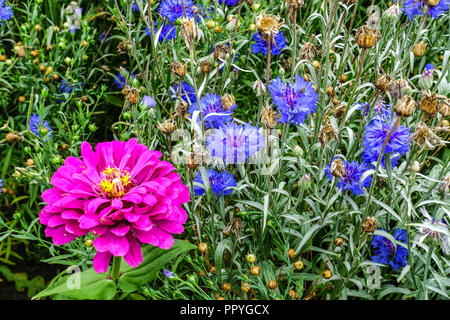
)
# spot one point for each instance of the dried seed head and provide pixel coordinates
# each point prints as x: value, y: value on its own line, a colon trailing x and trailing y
x: 167, y: 126
x: 383, y: 82
x: 432, y: 3
x: 327, y: 274
x: 255, y: 270
x: 268, y: 26
x: 205, y: 66
x: 29, y: 162
x: 259, y: 87
x: 330, y: 91
x: 370, y: 224
x: 291, y: 253
x: 226, y: 287
x: 338, y: 242
x: 307, y: 52
x: 405, y: 106
x: 202, y: 247
x: 419, y: 49
x: 12, y: 136
x: 429, y: 104
x: 399, y: 88
x: 337, y: 168
x: 343, y: 78
x: 228, y: 100
x: 444, y: 107
x: 22, y: 99
x: 178, y: 69
x: 367, y: 37
x: 424, y: 137
x: 221, y: 51
x: 298, y: 265
x: 340, y: 110
x: 272, y: 284
x: 133, y: 96
x: 269, y: 117
x: 190, y: 31
x: 327, y: 133
x: 235, y: 226
x: 123, y: 47
x: 245, y: 287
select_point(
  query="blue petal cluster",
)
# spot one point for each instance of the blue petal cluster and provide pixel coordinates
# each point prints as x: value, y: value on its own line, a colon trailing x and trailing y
x: 209, y: 104
x: 294, y: 100
x: 234, y: 143
x: 375, y: 134
x: 173, y: 9
x: 168, y: 32
x: 187, y: 92
x: 149, y: 101
x: 219, y: 181
x: 386, y: 253
x: 37, y: 124
x: 5, y: 11
x: 229, y: 2
x: 121, y: 81
x: 354, y: 172
x: 261, y: 44
x: 414, y: 8
x: 135, y: 6
x: 380, y: 109
x: 67, y: 86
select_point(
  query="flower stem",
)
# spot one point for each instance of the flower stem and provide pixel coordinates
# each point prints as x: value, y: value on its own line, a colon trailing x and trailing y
x: 427, y: 266
x: 116, y: 268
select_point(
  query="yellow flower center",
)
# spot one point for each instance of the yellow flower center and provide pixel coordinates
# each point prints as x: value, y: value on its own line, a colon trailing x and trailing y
x: 114, y: 183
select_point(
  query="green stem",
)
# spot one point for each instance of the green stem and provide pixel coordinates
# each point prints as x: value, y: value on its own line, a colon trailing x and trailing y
x: 427, y: 266
x: 116, y: 268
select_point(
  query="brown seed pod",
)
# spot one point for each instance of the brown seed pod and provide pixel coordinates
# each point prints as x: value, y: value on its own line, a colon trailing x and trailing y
x: 419, y: 49
x: 366, y: 37
x: 429, y: 104
x: 405, y: 106
x: 272, y: 284
x: 327, y: 274
x: 338, y: 242
x: 12, y: 136
x: 383, y: 82
x: 245, y: 287
x: 269, y: 117
x: 291, y: 253
x: 298, y: 265
x: 228, y: 100
x: 255, y: 270
x: 337, y: 168
x: 202, y: 247
x: 29, y: 162
x: 226, y: 287
x: 205, y: 66
x: 22, y: 99
x: 178, y: 69
x: 369, y: 225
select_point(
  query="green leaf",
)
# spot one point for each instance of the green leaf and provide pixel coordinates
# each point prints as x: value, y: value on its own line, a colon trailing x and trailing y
x: 154, y: 260
x: 82, y: 285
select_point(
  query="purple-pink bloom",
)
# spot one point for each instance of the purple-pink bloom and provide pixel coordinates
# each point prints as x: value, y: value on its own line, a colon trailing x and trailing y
x: 123, y: 194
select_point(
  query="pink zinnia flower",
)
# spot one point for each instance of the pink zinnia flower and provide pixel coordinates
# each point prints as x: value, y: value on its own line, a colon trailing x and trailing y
x: 121, y: 193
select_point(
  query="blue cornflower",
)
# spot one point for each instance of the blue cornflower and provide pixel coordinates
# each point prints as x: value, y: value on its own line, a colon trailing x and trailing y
x: 135, y: 6
x: 353, y: 174
x: 219, y: 181
x: 234, y: 143
x: 168, y: 274
x: 40, y: 128
x: 209, y: 104
x: 168, y: 32
x: 375, y: 134
x: 380, y: 110
x: 261, y: 44
x: 414, y: 8
x: 5, y: 11
x: 121, y: 81
x: 67, y: 86
x: 149, y: 101
x: 1, y: 183
x: 229, y: 2
x: 294, y: 100
x: 386, y: 253
x: 187, y: 92
x: 173, y: 9
x: 426, y: 79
